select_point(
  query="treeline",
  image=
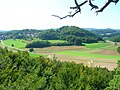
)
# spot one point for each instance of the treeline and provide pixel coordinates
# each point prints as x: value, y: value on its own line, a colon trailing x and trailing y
x: 45, y: 43
x: 19, y: 71
x: 70, y: 34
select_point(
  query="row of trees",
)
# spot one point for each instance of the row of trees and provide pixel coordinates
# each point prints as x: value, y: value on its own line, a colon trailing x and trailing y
x: 45, y: 43
x: 19, y: 71
x: 38, y: 44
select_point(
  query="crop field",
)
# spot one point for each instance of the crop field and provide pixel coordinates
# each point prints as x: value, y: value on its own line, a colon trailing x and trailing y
x: 97, y: 45
x: 102, y: 54
x: 56, y: 41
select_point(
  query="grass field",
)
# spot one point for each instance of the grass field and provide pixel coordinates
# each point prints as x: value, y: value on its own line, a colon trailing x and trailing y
x: 17, y: 43
x: 97, y: 45
x: 88, y: 54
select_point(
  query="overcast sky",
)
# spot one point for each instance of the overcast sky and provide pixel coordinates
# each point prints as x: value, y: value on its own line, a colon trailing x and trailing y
x: 37, y: 14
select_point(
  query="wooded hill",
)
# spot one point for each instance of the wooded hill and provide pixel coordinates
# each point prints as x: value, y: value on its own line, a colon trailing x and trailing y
x: 71, y: 34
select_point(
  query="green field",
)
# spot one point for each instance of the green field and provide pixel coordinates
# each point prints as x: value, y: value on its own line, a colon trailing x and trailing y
x: 34, y: 55
x: 17, y: 43
x: 97, y: 45
x: 56, y: 41
x: 87, y: 54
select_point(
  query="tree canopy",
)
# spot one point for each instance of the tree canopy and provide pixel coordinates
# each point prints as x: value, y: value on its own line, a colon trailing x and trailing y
x: 19, y: 71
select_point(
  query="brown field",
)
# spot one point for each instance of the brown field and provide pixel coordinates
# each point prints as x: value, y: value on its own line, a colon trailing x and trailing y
x: 51, y: 51
x: 106, y: 52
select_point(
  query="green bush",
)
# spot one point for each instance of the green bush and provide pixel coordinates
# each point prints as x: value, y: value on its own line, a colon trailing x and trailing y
x: 118, y: 49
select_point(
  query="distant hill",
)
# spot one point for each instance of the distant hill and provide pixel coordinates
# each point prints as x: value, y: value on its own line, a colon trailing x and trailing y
x: 4, y: 30
x: 103, y: 32
x: 109, y: 34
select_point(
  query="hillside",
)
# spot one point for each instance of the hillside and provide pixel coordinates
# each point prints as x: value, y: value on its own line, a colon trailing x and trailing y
x: 71, y: 34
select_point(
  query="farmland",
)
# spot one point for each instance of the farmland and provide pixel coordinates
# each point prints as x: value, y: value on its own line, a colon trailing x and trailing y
x: 102, y: 54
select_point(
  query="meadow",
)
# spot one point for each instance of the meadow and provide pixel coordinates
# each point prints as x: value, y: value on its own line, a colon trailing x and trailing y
x: 17, y: 43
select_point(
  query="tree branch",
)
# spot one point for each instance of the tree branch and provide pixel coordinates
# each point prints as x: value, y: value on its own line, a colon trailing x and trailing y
x: 93, y: 6
x: 106, y: 4
x: 79, y: 5
x: 78, y: 9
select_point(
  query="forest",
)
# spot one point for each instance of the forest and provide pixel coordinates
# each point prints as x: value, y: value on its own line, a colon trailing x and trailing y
x: 19, y: 71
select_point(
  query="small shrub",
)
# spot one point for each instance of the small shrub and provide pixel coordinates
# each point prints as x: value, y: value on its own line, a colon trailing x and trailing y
x: 118, y: 49
x: 31, y: 50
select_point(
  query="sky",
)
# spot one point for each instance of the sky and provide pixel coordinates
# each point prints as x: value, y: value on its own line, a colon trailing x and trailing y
x: 37, y: 14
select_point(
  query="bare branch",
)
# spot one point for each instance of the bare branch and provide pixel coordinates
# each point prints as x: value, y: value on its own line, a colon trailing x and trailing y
x: 61, y: 17
x: 106, y: 4
x: 115, y: 1
x: 93, y: 6
x: 66, y: 15
x: 79, y: 5
x: 77, y: 8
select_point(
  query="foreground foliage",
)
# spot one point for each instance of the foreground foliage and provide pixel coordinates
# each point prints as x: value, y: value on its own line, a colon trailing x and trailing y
x: 114, y: 84
x: 19, y: 71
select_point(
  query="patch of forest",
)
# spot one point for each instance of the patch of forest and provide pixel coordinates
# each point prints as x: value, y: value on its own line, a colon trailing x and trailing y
x: 20, y: 71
